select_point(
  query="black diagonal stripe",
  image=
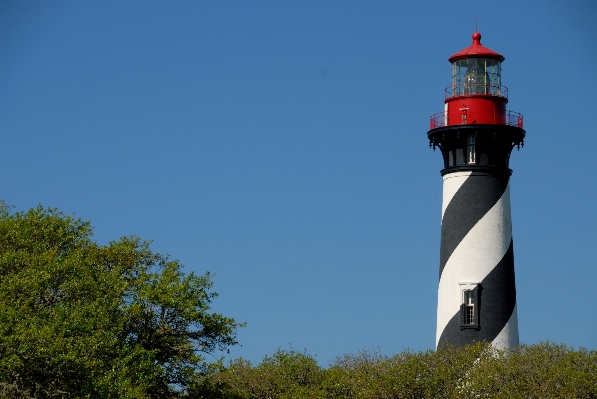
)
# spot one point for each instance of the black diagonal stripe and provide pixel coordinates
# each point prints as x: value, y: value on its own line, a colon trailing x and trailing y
x: 477, y: 195
x: 497, y: 299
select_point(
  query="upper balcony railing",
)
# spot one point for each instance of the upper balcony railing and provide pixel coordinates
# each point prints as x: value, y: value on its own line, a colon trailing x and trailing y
x: 510, y: 118
x: 467, y: 89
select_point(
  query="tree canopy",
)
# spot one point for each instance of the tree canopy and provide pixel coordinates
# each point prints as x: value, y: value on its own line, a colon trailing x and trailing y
x: 538, y: 371
x: 78, y: 319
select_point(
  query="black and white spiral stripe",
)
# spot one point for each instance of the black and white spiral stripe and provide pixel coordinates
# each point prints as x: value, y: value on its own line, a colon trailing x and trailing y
x: 476, y: 248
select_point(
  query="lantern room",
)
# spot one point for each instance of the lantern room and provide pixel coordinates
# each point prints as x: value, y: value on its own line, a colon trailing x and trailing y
x: 475, y: 131
x: 476, y: 70
x: 476, y: 95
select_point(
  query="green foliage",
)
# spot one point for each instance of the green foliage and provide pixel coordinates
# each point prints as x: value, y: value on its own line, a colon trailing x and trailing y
x: 286, y: 375
x: 406, y: 375
x: 539, y: 371
x: 82, y: 320
x: 477, y: 371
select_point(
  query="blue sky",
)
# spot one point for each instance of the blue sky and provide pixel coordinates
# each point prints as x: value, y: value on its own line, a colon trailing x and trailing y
x: 282, y: 146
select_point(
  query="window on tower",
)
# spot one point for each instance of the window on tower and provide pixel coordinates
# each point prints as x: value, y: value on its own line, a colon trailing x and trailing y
x: 471, y: 155
x: 469, y: 308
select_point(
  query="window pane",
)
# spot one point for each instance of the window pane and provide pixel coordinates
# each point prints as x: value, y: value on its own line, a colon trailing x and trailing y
x: 476, y: 76
x: 470, y: 150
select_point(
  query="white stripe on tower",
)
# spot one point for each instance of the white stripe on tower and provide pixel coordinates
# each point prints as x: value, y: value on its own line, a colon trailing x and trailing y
x: 476, y: 248
x: 508, y: 337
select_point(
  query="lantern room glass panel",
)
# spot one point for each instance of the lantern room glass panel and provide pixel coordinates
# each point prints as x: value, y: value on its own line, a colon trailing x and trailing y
x: 476, y: 76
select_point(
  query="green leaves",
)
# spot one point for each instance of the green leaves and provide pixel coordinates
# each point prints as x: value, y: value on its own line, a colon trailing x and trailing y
x: 82, y: 320
x: 544, y: 370
x: 477, y: 371
x: 285, y: 374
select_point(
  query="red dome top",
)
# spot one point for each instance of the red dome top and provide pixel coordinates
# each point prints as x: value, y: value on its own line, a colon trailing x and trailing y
x: 476, y: 50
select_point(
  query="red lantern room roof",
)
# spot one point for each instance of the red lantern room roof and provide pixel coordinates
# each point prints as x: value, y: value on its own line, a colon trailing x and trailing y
x: 476, y: 50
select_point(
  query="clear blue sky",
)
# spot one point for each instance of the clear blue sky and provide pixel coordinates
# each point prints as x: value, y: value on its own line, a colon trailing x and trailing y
x: 282, y: 146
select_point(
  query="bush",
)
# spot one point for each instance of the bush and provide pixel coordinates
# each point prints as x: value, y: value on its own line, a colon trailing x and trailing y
x: 286, y: 374
x: 477, y: 371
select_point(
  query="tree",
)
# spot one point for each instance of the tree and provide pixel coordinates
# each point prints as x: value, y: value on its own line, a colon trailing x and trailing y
x: 78, y: 319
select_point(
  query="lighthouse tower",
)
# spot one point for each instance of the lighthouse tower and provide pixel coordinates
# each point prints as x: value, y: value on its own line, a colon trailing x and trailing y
x: 476, y: 134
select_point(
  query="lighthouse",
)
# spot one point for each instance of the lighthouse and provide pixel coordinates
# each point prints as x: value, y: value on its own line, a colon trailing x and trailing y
x: 476, y: 135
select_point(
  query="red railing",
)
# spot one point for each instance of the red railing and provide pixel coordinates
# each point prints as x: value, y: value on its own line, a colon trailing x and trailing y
x: 510, y: 118
x: 467, y: 89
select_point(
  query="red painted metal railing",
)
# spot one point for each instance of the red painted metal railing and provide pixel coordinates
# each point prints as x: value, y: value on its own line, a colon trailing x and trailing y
x: 510, y: 118
x: 467, y: 89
